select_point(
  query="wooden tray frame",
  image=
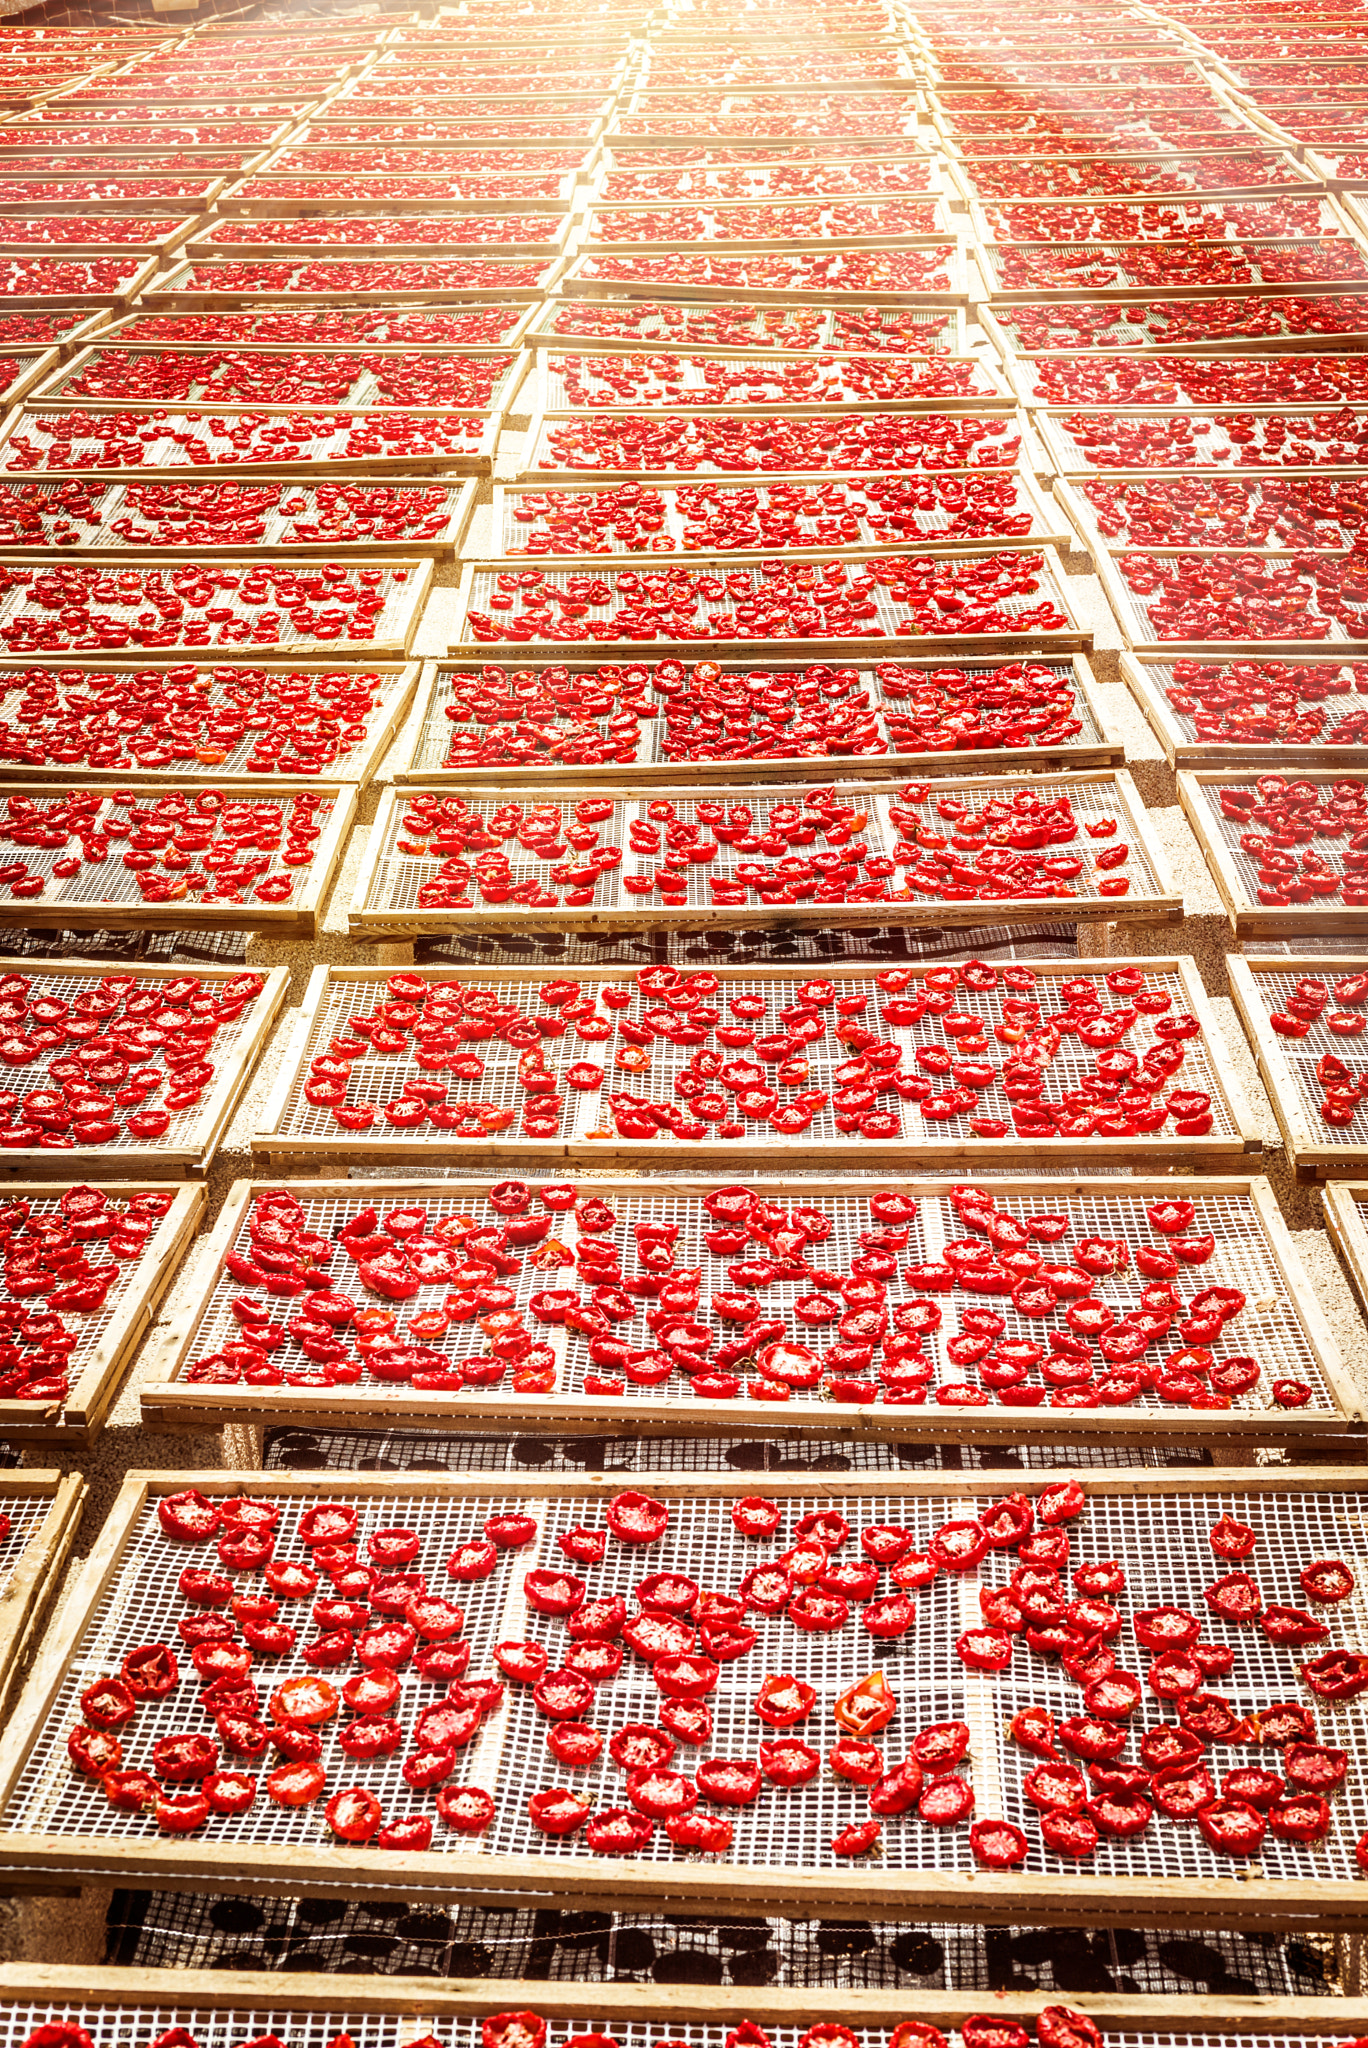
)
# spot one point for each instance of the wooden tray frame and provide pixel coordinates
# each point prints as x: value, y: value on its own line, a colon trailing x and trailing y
x: 1254, y: 345
x: 443, y: 547
x: 574, y: 283
x: 1106, y: 751
x: 236, y: 204
x: 436, y: 2002
x: 1181, y: 752
x: 1070, y: 639
x: 78, y: 1419
x: 245, y: 250
x: 1069, y: 492
x: 120, y: 333
x: 169, y: 1404
x: 1047, y: 421
x: 1048, y: 530
x: 343, y: 654
x: 548, y: 404
x: 1307, y: 1151
x: 958, y: 160
x: 369, y: 922
x: 1342, y: 1201
x: 1134, y: 634
x: 539, y: 337
x: 343, y: 467
x: 398, y: 682
x: 1223, y: 1155
x: 294, y: 920
x: 24, y: 1601
x: 1121, y: 294
x: 1250, y: 920
x: 1018, y: 368
x: 185, y: 1863
x: 163, y: 294
x: 160, y: 1160
x: 1333, y: 222
x: 500, y: 403
x: 119, y: 295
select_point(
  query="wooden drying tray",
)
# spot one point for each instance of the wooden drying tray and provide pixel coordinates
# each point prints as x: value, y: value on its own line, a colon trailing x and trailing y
x: 1021, y: 367
x: 1343, y: 1202
x: 947, y: 320
x: 133, y: 1561
x: 551, y: 400
x: 622, y: 213
x: 1098, y: 746
x: 120, y: 294
x: 382, y: 906
x: 358, y: 766
x: 1068, y: 639
x: 999, y: 332
x: 247, y: 206
x: 169, y: 293
x: 109, y: 344
x: 1322, y: 918
x: 391, y: 467
x: 284, y: 1133
x: 1144, y: 677
x: 1139, y: 637
x: 171, y: 1402
x: 49, y: 1503
x: 462, y: 494
x: 1066, y: 458
x: 76, y: 906
x: 574, y: 282
x: 309, y: 653
x: 1071, y: 493
x: 116, y: 1330
x: 200, y: 202
x: 23, y: 367
x: 1124, y: 294
x: 177, y: 1155
x: 247, y: 249
x: 138, y: 330
x: 1054, y: 206
x: 1048, y: 526
x: 1315, y: 1150
x: 961, y: 155
x: 383, y: 2009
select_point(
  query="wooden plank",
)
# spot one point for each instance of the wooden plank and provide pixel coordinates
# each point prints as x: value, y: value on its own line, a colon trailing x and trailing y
x: 1342, y: 1202
x: 1132, y: 1510
x: 387, y: 902
x: 404, y: 581
x: 134, y: 2004
x: 1219, y: 839
x: 109, y: 1338
x: 1258, y: 985
x: 891, y: 634
x: 187, y: 1148
x: 1286, y: 1326
x: 290, y: 1128
x: 76, y: 904
x: 29, y: 1579
x: 394, y: 687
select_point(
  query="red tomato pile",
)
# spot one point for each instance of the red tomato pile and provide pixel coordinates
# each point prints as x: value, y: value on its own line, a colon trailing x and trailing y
x: 486, y: 1292
x: 562, y: 862
x: 765, y: 181
x: 502, y: 164
x: 1203, y: 380
x: 263, y: 721
x: 1310, y: 1005
x: 175, y: 846
x: 238, y: 378
x: 425, y: 1025
x: 134, y: 440
x: 1289, y: 839
x: 683, y: 380
x: 332, y: 278
x: 747, y: 326
x: 1187, y: 511
x: 844, y: 270
x: 48, y: 277
x: 1268, y: 701
x: 923, y: 594
x: 61, y: 1258
x: 533, y: 717
x: 350, y: 326
x: 376, y: 189
x: 1182, y: 260
x: 828, y: 223
x: 391, y: 1624
x: 220, y: 515
x: 760, y: 442
x: 1263, y: 440
x: 1209, y: 220
x: 633, y: 518
x: 1248, y: 597
x: 56, y: 608
x: 1249, y: 316
x: 372, y: 232
x: 83, y: 231
x: 92, y: 1058
x: 1006, y: 176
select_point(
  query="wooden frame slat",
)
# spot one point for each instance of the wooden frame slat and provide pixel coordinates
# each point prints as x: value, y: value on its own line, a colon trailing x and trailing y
x: 281, y: 1137
x: 28, y: 1581
x: 127, y: 1993
x: 171, y: 1401
x: 375, y: 913
x: 78, y: 1419
x: 1285, y: 1065
x: 1241, y: 1896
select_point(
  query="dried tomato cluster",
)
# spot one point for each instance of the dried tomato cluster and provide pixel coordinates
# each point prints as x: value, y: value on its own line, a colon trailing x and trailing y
x: 86, y: 230
x: 332, y: 278
x: 1183, y: 260
x: 349, y: 326
x: 843, y: 270
x: 1241, y: 597
x: 65, y: 606
x: 265, y: 722
x: 1002, y: 177
x: 372, y: 231
x: 1268, y: 701
x: 178, y: 846
x: 683, y: 380
x: 48, y: 277
x: 238, y: 378
x: 203, y: 515
x: 679, y: 178
x: 1186, y: 510
x: 1247, y: 316
x: 1203, y: 380
x: 1284, y: 817
x: 132, y: 440
x: 1308, y: 1006
x: 1208, y: 220
x: 886, y: 440
x: 739, y: 325
x: 1257, y: 440
x: 831, y: 221
x: 97, y: 1055
x: 48, y: 1276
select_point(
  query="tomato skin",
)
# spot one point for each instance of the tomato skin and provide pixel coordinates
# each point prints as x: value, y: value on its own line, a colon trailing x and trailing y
x: 296, y: 1784
x: 413, y: 1832
x: 997, y: 1844
x: 353, y: 1815
x: 706, y: 1831
x: 1231, y: 1827
x: 558, y: 1812
x: 229, y: 1791
x: 468, y: 1809
x: 182, y: 1814
x: 856, y: 1840
x: 574, y: 1743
